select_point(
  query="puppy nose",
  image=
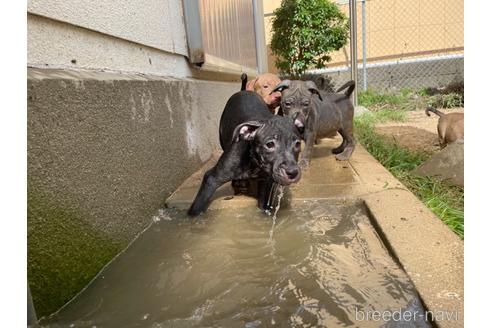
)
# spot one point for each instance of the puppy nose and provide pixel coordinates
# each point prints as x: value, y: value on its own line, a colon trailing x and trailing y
x: 292, y: 173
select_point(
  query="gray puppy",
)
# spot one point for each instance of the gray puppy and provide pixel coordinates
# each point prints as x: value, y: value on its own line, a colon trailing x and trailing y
x: 324, y: 114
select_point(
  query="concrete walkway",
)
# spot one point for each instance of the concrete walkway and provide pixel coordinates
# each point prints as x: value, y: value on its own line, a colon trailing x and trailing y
x: 429, y: 252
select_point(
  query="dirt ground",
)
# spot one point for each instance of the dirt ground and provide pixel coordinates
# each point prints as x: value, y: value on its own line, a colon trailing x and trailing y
x: 418, y: 133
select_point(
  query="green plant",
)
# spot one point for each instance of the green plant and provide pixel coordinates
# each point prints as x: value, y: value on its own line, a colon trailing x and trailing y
x: 382, y: 116
x: 371, y: 98
x: 446, y: 100
x: 407, y: 99
x: 305, y: 32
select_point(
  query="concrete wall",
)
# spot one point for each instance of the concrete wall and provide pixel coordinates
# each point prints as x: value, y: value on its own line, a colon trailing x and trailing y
x: 414, y: 75
x: 104, y: 152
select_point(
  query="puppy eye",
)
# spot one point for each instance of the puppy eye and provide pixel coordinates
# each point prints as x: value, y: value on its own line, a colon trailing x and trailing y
x: 270, y: 145
x: 287, y: 103
x: 306, y: 103
x: 297, y: 144
x: 265, y: 86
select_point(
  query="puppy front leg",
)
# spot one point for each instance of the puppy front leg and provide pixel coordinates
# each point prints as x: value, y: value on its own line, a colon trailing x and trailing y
x: 210, y: 183
x: 221, y: 173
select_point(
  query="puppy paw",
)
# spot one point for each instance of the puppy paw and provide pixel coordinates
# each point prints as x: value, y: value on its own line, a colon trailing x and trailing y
x: 194, y: 211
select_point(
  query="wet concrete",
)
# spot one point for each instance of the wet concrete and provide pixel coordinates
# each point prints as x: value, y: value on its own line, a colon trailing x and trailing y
x: 429, y: 252
x: 326, y: 178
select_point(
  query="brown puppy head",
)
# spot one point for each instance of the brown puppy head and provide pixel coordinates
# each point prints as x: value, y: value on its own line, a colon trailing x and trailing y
x: 264, y: 85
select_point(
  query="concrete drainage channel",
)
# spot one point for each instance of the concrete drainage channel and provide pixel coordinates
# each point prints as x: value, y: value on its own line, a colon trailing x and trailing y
x: 350, y: 247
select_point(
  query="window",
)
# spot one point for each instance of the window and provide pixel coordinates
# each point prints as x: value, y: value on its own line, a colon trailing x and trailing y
x: 226, y: 35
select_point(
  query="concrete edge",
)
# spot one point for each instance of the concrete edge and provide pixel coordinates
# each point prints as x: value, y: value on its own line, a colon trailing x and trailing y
x: 35, y: 72
x: 428, y: 251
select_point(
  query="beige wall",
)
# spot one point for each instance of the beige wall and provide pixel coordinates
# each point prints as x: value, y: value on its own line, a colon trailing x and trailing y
x: 154, y: 23
x: 399, y: 28
x: 108, y: 34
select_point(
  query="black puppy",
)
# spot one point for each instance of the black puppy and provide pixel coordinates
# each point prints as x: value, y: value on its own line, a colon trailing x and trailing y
x: 256, y: 144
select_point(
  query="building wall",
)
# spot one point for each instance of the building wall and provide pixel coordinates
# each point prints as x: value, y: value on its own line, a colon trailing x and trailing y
x: 55, y: 44
x: 157, y: 24
x: 111, y: 35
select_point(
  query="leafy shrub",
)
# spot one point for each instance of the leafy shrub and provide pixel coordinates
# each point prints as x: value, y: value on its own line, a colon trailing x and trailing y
x: 305, y: 32
x: 449, y: 100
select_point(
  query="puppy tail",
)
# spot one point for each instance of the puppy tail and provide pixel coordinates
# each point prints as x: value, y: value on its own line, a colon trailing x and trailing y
x: 435, y: 111
x: 244, y: 80
x: 350, y: 86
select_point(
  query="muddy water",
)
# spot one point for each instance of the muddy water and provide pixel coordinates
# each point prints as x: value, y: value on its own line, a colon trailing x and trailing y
x: 325, y: 264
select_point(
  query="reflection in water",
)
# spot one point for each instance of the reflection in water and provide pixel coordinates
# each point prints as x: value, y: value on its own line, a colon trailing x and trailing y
x: 221, y: 271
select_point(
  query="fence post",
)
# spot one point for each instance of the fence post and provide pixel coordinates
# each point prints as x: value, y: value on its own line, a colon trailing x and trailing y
x: 353, y: 47
x: 261, y: 54
x: 364, y: 69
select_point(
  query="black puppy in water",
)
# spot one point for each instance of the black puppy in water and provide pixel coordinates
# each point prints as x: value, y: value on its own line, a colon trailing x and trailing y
x: 256, y: 144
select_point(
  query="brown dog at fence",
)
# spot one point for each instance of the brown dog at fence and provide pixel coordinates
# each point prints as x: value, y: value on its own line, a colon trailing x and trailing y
x: 450, y: 127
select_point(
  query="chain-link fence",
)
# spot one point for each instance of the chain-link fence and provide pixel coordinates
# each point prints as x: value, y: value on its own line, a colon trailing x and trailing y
x: 403, y: 44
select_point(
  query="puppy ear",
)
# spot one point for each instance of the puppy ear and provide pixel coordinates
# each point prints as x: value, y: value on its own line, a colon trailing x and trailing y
x: 285, y: 84
x: 313, y: 88
x: 250, y: 86
x: 246, y: 131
